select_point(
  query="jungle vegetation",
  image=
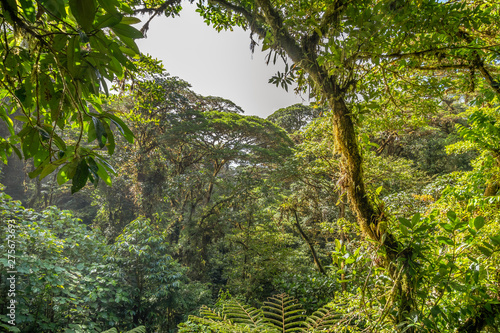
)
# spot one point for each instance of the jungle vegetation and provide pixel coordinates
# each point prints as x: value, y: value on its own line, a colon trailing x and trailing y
x: 146, y: 207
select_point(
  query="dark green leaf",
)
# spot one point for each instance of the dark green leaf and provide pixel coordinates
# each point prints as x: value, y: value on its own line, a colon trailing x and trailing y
x: 100, y: 131
x: 478, y: 222
x: 80, y: 177
x: 84, y: 11
x: 125, y: 30
x: 487, y: 252
x: 446, y: 240
x: 122, y: 127
x: 405, y: 222
x: 452, y: 216
x: 108, y: 20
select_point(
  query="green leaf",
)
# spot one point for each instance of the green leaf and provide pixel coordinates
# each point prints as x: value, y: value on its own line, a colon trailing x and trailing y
x: 118, y: 54
x: 94, y: 170
x: 415, y: 219
x: 447, y: 226
x: 84, y: 11
x: 103, y: 174
x: 100, y: 131
x: 403, y: 229
x: 73, y: 54
x: 495, y: 239
x: 7, y: 120
x: 478, y: 222
x: 110, y: 5
x: 130, y: 20
x: 122, y: 127
x: 108, y: 20
x: 64, y: 173
x: 27, y: 6
x: 405, y: 222
x: 487, y: 252
x: 130, y: 43
x: 30, y: 143
x: 126, y: 30
x: 41, y: 165
x: 56, y: 7
x: 446, y: 240
x: 80, y: 177
x: 452, y: 216
x: 48, y: 170
x: 110, y: 137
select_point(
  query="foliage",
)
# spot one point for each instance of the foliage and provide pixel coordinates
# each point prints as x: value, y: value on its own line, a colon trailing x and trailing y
x: 158, y: 288
x: 62, y: 280
x: 139, y: 329
x: 295, y: 117
x: 280, y: 313
x: 402, y: 237
x: 69, y: 279
x: 57, y: 57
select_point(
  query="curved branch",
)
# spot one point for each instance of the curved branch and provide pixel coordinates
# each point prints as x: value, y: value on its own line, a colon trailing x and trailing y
x: 317, y: 262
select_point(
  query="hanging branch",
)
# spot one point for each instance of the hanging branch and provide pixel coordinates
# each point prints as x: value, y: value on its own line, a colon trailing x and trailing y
x: 317, y: 262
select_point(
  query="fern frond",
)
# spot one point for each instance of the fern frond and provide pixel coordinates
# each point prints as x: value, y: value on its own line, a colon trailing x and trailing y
x: 111, y: 330
x: 209, y: 313
x: 243, y: 314
x: 139, y: 329
x: 322, y: 319
x: 285, y: 313
x: 227, y: 326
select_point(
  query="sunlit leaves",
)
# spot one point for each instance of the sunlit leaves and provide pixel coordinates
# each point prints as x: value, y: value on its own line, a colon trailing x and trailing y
x: 54, y: 70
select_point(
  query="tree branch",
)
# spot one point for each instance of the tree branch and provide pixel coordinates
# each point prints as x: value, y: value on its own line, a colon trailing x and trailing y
x: 251, y: 18
x: 311, y: 246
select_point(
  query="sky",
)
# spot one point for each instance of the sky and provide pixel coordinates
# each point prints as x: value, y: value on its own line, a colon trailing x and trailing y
x: 216, y: 64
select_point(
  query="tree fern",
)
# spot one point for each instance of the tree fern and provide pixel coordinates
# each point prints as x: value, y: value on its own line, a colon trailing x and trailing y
x: 235, y: 317
x: 322, y: 320
x: 140, y: 329
x: 285, y: 313
x: 279, y: 314
x: 243, y: 314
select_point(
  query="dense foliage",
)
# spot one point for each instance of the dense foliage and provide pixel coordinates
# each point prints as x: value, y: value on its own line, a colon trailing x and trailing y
x: 374, y: 209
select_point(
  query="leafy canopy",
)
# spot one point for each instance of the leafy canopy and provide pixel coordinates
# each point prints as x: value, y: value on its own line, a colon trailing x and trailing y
x: 58, y: 56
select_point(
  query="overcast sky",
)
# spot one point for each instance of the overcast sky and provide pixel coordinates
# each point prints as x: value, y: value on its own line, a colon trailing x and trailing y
x: 217, y: 64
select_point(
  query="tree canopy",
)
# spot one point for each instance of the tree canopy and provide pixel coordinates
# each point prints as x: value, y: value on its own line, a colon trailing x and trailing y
x: 378, y: 213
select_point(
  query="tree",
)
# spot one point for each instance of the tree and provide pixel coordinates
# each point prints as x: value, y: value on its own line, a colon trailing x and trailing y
x: 295, y: 117
x: 57, y: 58
x: 63, y: 280
x: 195, y: 160
x: 347, y: 50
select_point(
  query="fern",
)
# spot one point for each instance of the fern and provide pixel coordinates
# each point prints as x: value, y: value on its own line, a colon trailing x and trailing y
x: 279, y: 314
x: 208, y: 313
x: 243, y: 314
x: 111, y: 330
x: 285, y: 313
x: 139, y: 329
x: 322, y: 320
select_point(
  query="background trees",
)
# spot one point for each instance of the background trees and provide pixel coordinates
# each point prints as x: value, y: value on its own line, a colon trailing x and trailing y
x: 356, y: 202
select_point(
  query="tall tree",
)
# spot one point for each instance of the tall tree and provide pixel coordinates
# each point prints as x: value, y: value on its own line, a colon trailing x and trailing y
x: 57, y: 57
x: 344, y: 50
